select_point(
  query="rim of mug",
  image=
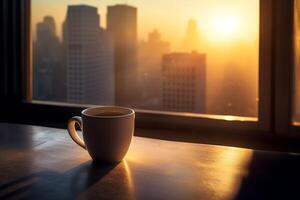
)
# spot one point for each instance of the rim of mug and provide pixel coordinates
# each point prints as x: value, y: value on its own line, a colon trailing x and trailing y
x: 115, y: 116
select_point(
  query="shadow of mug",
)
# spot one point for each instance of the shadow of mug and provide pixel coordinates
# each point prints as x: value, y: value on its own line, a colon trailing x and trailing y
x: 87, y: 180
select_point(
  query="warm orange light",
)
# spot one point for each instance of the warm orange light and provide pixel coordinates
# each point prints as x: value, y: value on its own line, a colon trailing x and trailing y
x: 229, y: 118
x: 129, y: 177
x: 225, y: 25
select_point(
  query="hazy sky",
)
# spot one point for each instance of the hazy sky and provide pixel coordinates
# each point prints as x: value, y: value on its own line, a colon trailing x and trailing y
x: 228, y: 32
x: 216, y: 19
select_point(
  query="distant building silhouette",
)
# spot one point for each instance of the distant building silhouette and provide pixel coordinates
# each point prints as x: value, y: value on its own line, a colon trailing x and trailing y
x: 48, y: 69
x: 150, y: 74
x: 237, y: 94
x: 122, y: 24
x: 89, y: 57
x: 191, y: 41
x: 184, y: 82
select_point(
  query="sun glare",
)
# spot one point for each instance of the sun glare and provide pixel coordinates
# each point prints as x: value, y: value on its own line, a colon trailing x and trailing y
x: 224, y: 25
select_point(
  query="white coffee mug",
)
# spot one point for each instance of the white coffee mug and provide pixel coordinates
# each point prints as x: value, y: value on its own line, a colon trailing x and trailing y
x: 107, y: 132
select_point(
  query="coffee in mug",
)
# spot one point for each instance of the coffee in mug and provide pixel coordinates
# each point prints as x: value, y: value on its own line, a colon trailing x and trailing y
x: 107, y: 132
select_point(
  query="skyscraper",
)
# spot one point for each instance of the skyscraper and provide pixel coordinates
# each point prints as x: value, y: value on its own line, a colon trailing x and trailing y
x: 122, y: 24
x: 89, y: 57
x: 150, y: 74
x: 48, y: 80
x: 184, y: 82
x: 191, y: 41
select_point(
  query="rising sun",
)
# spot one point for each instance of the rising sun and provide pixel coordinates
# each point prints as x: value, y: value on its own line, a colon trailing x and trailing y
x: 224, y: 26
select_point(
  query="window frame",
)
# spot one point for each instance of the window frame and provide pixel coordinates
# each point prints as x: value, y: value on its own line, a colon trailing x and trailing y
x: 284, y: 70
x: 273, y: 119
x: 294, y: 129
x: 284, y: 65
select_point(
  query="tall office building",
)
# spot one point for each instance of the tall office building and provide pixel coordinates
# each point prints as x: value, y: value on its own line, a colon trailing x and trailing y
x: 150, y: 74
x: 48, y: 71
x: 89, y: 57
x: 184, y: 82
x: 122, y: 24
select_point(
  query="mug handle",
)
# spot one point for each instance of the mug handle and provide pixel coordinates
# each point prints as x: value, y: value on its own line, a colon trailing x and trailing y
x: 72, y: 131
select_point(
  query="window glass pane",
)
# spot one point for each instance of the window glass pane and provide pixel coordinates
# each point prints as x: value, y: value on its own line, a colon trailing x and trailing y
x: 192, y: 56
x: 296, y: 113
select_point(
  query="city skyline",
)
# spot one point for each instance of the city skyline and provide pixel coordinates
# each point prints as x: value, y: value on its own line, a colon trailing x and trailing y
x: 239, y: 16
x: 124, y: 32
